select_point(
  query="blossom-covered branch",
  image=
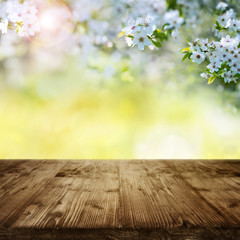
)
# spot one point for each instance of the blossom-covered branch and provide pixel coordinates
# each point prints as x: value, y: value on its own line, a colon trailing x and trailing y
x: 151, y: 23
x: 222, y: 55
x: 19, y: 16
x: 84, y: 26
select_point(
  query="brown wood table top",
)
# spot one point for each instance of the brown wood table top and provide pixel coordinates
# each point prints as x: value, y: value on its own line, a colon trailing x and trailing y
x: 135, y: 199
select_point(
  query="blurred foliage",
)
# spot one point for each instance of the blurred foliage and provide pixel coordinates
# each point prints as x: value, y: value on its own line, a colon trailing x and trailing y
x: 72, y: 114
x: 145, y: 106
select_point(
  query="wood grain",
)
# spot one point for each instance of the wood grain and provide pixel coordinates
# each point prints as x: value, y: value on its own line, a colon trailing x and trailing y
x: 144, y: 199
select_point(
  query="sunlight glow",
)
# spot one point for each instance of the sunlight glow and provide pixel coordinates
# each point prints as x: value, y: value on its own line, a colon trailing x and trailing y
x: 55, y: 25
x: 49, y: 21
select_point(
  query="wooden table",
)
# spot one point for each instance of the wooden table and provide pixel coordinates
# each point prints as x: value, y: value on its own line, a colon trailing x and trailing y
x: 136, y: 200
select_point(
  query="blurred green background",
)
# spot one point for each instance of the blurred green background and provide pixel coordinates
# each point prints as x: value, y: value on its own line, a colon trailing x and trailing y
x: 146, y: 106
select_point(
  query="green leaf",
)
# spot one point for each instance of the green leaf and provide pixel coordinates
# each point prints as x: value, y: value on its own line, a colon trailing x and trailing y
x: 211, y: 80
x: 166, y: 24
x: 187, y: 55
x: 157, y: 44
x: 187, y: 49
x: 130, y: 36
x: 224, y: 65
x: 219, y: 27
x: 160, y: 35
x: 156, y: 32
x: 221, y: 72
x: 237, y: 75
x: 172, y: 4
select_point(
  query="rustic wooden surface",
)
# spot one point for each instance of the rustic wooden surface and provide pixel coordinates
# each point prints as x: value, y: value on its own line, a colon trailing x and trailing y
x: 119, y: 200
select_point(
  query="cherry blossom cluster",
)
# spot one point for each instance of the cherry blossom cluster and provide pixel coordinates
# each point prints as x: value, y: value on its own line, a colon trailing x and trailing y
x: 20, y: 17
x: 150, y: 23
x: 226, y: 22
x: 144, y: 23
x: 222, y: 55
x: 163, y: 19
x: 192, y: 10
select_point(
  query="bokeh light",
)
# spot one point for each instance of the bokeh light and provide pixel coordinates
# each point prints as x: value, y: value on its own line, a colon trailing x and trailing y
x: 75, y: 90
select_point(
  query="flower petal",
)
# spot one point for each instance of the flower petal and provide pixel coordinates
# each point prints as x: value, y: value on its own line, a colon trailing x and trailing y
x: 141, y: 46
x: 147, y: 42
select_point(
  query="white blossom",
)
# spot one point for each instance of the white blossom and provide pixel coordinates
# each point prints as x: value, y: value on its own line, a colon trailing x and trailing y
x: 173, y: 19
x: 22, y: 17
x: 4, y: 26
x: 222, y: 6
x: 198, y: 57
x: 141, y: 40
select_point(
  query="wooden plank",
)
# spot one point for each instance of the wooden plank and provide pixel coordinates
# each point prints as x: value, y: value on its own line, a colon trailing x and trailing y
x: 120, y: 200
x: 218, y: 184
x: 9, y: 170
x: 155, y: 195
x: 81, y: 195
x: 17, y: 194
